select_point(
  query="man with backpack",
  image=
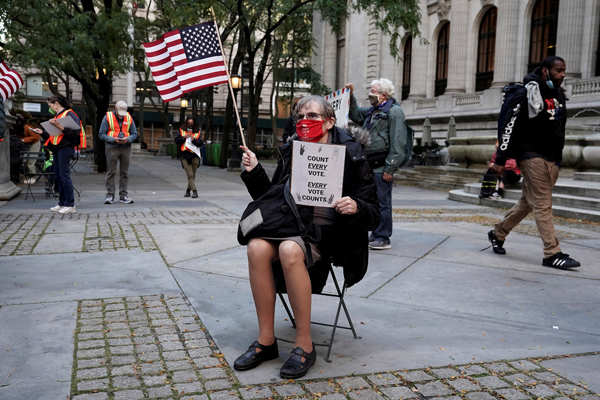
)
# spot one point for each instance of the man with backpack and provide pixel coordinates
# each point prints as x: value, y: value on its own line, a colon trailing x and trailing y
x: 531, y: 128
x: 387, y: 150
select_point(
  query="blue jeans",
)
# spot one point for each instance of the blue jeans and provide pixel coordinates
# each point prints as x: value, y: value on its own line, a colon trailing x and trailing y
x: 384, y: 196
x: 63, y: 176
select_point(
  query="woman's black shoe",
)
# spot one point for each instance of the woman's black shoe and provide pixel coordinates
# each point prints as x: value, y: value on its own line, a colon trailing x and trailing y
x: 187, y: 193
x: 294, y: 367
x: 251, y: 358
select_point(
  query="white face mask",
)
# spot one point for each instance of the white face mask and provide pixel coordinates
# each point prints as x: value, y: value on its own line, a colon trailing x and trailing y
x: 122, y: 113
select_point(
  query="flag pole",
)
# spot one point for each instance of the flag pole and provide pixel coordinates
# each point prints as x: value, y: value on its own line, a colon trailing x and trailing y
x: 237, y: 114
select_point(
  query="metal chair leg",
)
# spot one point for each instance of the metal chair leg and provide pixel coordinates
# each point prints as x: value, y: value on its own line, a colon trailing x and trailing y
x: 287, y: 309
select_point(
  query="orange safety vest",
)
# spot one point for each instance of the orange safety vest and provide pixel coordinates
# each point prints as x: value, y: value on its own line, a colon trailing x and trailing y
x: 55, y: 140
x: 113, y: 125
x: 185, y: 134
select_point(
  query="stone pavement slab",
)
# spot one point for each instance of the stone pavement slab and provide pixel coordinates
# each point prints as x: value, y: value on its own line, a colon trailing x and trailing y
x: 57, y: 243
x: 582, y: 370
x: 230, y: 262
x: 501, y: 295
x: 36, y: 350
x: 189, y: 242
x: 524, y: 252
x: 60, y: 277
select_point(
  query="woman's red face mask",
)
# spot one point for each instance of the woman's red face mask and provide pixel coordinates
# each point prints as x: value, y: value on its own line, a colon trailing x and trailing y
x: 310, y: 130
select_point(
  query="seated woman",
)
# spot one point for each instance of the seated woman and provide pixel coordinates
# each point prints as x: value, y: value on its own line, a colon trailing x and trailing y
x: 340, y: 232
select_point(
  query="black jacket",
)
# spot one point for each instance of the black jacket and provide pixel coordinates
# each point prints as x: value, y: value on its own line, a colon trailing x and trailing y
x: 529, y: 128
x: 346, y: 241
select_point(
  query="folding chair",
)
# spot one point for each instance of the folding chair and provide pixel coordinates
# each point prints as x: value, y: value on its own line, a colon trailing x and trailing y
x: 341, y: 304
x: 31, y: 177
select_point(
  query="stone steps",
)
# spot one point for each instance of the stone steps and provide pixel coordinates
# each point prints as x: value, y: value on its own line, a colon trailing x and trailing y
x: 558, y: 198
x: 571, y: 198
x: 587, y: 176
x: 437, y: 177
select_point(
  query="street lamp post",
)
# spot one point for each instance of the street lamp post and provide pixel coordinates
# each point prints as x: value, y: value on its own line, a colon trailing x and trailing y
x: 235, y: 161
x: 183, y: 105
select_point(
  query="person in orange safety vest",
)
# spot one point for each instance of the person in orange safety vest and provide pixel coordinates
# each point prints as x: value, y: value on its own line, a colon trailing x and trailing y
x: 189, y: 159
x: 118, y: 131
x: 63, y: 145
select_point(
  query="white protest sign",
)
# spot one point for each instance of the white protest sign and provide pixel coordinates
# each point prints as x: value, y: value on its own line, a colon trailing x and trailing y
x: 340, y: 101
x: 317, y: 173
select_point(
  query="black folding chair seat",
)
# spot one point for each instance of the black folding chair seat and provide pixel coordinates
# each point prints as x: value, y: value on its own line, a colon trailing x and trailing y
x: 39, y: 157
x: 339, y: 293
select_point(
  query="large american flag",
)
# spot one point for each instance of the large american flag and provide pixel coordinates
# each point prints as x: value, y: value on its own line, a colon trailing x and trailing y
x: 10, y: 81
x: 185, y: 60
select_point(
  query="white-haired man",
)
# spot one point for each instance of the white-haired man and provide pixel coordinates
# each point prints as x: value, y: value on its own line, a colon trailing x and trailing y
x: 118, y: 131
x: 386, y: 151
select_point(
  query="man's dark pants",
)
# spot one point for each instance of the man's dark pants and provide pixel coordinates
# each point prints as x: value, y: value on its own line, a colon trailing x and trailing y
x: 62, y: 170
x: 384, y: 196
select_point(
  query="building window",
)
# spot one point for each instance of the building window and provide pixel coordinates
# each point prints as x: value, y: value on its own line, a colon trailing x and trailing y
x: 485, y: 50
x: 441, y: 70
x: 37, y: 86
x: 406, y: 68
x: 544, y: 24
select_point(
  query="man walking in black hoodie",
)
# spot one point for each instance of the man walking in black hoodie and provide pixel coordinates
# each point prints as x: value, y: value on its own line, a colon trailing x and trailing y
x: 531, y: 128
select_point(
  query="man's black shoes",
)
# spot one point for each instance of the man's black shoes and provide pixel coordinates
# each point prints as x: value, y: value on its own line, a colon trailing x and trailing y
x: 252, y: 358
x: 496, y: 243
x: 560, y: 260
x: 298, y: 364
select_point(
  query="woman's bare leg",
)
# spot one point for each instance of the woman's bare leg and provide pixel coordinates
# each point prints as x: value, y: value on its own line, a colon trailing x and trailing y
x: 260, y: 258
x: 299, y: 290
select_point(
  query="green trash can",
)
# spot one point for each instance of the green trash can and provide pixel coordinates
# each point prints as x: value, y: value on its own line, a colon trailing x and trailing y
x: 209, y: 156
x: 216, y: 153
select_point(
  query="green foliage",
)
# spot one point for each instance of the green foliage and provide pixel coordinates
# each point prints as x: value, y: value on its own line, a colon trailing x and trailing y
x: 78, y: 38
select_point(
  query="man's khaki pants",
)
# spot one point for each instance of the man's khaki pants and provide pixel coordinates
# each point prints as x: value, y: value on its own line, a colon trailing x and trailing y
x: 120, y: 153
x: 190, y: 167
x: 539, y: 176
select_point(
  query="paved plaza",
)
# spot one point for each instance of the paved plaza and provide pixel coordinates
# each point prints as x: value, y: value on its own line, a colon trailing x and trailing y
x: 152, y: 300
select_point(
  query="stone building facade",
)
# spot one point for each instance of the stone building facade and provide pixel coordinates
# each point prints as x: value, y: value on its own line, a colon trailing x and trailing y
x: 451, y: 76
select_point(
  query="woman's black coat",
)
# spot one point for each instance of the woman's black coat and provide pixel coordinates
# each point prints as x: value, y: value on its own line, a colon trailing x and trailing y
x: 346, y: 241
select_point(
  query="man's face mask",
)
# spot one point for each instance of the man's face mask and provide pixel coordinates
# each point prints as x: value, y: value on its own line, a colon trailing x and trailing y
x: 373, y: 99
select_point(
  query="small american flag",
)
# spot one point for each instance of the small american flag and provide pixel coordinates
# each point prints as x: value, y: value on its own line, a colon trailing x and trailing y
x: 10, y: 81
x: 185, y: 60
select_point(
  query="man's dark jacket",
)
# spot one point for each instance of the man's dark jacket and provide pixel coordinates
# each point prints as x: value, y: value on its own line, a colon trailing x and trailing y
x: 523, y: 135
x: 347, y: 239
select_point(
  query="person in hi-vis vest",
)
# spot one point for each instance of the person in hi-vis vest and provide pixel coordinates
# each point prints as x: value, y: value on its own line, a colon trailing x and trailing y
x: 189, y: 160
x: 118, y: 131
x: 63, y: 148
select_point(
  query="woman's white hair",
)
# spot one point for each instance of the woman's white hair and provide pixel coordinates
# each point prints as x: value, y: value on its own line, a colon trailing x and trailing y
x: 386, y: 87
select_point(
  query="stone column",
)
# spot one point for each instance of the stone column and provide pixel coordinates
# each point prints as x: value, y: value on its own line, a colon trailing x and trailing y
x: 8, y: 190
x: 457, y: 57
x: 569, y: 38
x: 418, y: 75
x: 505, y: 58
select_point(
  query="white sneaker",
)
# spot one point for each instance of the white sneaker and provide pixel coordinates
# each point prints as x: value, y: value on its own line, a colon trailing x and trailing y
x: 56, y: 208
x: 67, y: 210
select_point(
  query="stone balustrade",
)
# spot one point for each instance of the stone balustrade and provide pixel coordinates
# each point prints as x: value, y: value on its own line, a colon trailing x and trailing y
x: 467, y: 99
x: 581, y: 151
x: 586, y: 87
